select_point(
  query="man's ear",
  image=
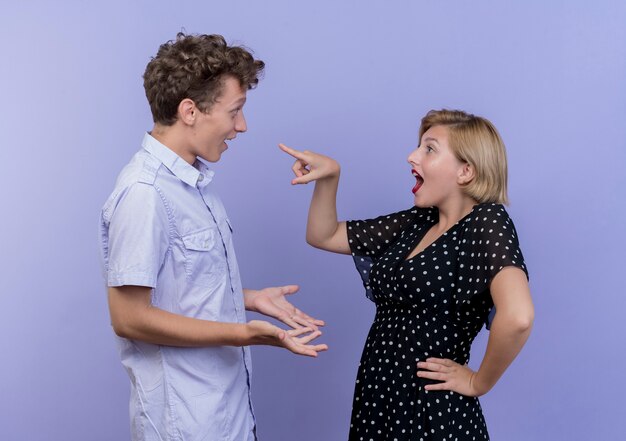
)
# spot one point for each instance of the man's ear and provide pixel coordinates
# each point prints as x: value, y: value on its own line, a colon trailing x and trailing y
x: 466, y: 174
x: 187, y: 112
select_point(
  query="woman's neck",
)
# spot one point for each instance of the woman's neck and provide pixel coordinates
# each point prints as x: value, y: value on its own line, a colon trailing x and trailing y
x: 453, y: 211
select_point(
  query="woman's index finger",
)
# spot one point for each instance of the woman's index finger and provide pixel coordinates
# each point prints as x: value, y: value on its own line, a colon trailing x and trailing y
x: 293, y: 152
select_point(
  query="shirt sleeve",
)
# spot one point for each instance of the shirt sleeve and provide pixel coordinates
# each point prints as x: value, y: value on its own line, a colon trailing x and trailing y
x: 138, y: 235
x: 489, y: 244
x: 370, y: 238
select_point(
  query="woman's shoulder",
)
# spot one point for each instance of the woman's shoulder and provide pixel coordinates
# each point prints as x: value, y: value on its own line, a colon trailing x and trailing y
x: 489, y: 212
x: 489, y: 219
x: 406, y: 216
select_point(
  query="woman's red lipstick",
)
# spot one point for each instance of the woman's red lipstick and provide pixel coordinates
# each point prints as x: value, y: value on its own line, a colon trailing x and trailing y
x: 419, y: 181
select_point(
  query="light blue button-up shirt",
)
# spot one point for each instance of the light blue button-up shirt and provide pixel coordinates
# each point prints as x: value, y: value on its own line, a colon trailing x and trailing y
x: 164, y: 227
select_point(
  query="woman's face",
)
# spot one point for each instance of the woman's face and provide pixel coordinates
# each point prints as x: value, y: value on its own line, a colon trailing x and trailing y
x: 437, y: 171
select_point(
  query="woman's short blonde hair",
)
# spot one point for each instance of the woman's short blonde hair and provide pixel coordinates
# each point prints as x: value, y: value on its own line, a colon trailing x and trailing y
x: 474, y: 140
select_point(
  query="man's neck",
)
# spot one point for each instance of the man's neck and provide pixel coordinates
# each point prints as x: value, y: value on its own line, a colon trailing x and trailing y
x: 173, y: 137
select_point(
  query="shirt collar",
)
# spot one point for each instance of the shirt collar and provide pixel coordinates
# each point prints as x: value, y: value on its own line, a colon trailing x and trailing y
x: 197, y: 174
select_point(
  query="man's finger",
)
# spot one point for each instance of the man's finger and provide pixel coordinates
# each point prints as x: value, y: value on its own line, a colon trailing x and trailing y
x: 307, y: 350
x: 298, y: 331
x: 289, y: 289
x: 311, y: 350
x: 319, y: 348
x: 308, y: 317
x: 304, y: 322
x: 307, y: 338
x: 312, y: 320
x: 291, y: 322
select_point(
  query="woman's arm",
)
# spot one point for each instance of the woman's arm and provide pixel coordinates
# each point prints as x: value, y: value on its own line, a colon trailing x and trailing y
x: 510, y: 328
x: 509, y: 331
x: 323, y: 230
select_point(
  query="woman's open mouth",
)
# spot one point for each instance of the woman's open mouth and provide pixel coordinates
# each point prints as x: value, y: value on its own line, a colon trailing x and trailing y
x: 419, y: 181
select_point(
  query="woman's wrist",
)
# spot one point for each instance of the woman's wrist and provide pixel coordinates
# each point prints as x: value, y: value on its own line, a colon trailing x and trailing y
x: 333, y: 172
x: 478, y: 384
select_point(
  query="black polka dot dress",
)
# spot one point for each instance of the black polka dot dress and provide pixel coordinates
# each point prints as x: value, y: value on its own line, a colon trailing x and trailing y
x: 432, y: 305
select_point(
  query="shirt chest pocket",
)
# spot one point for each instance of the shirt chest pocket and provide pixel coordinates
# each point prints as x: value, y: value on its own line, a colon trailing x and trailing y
x: 205, y: 257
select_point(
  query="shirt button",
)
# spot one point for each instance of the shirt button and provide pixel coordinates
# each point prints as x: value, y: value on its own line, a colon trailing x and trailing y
x: 200, y: 178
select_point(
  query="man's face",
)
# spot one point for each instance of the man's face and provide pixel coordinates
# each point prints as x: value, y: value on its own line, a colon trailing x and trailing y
x: 221, y: 123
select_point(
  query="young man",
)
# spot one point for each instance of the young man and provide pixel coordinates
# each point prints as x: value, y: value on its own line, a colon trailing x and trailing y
x: 175, y: 295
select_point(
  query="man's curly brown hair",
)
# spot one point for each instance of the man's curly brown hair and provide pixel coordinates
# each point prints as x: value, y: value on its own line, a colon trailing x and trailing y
x: 194, y: 67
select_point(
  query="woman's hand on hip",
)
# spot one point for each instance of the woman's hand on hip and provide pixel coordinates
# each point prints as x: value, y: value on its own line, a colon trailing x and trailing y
x: 453, y: 376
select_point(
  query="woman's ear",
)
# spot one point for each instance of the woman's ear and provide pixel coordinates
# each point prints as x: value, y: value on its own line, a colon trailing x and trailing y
x: 466, y: 174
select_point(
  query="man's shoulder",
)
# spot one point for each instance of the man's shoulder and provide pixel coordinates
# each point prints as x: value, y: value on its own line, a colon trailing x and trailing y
x: 143, y: 167
x: 138, y: 176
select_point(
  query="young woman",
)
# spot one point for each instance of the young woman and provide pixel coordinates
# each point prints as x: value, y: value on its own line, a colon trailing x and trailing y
x: 434, y: 271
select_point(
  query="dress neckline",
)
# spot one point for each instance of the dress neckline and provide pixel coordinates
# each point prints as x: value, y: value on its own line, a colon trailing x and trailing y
x: 435, y: 213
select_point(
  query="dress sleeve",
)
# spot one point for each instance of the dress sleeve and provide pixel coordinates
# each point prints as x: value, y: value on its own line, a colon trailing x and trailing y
x: 372, y: 237
x: 369, y: 239
x: 488, y: 245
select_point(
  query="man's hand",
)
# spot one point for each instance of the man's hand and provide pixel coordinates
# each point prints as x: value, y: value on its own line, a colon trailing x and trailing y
x: 272, y: 303
x: 264, y: 333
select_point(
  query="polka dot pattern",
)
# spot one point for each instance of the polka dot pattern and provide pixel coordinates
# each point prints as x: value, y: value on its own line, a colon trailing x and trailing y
x: 432, y: 305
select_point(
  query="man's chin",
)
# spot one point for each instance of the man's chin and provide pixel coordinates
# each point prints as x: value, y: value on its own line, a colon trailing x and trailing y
x: 213, y: 156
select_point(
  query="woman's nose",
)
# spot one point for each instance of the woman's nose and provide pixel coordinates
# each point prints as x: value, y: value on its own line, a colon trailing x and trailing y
x: 413, y: 157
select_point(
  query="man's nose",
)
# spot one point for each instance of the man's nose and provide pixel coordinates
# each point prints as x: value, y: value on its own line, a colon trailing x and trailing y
x: 240, y: 124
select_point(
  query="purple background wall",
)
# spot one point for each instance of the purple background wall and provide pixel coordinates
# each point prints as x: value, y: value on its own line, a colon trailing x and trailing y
x: 350, y: 79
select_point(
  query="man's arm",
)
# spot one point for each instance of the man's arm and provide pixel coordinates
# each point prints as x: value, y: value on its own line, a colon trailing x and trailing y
x: 133, y: 317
